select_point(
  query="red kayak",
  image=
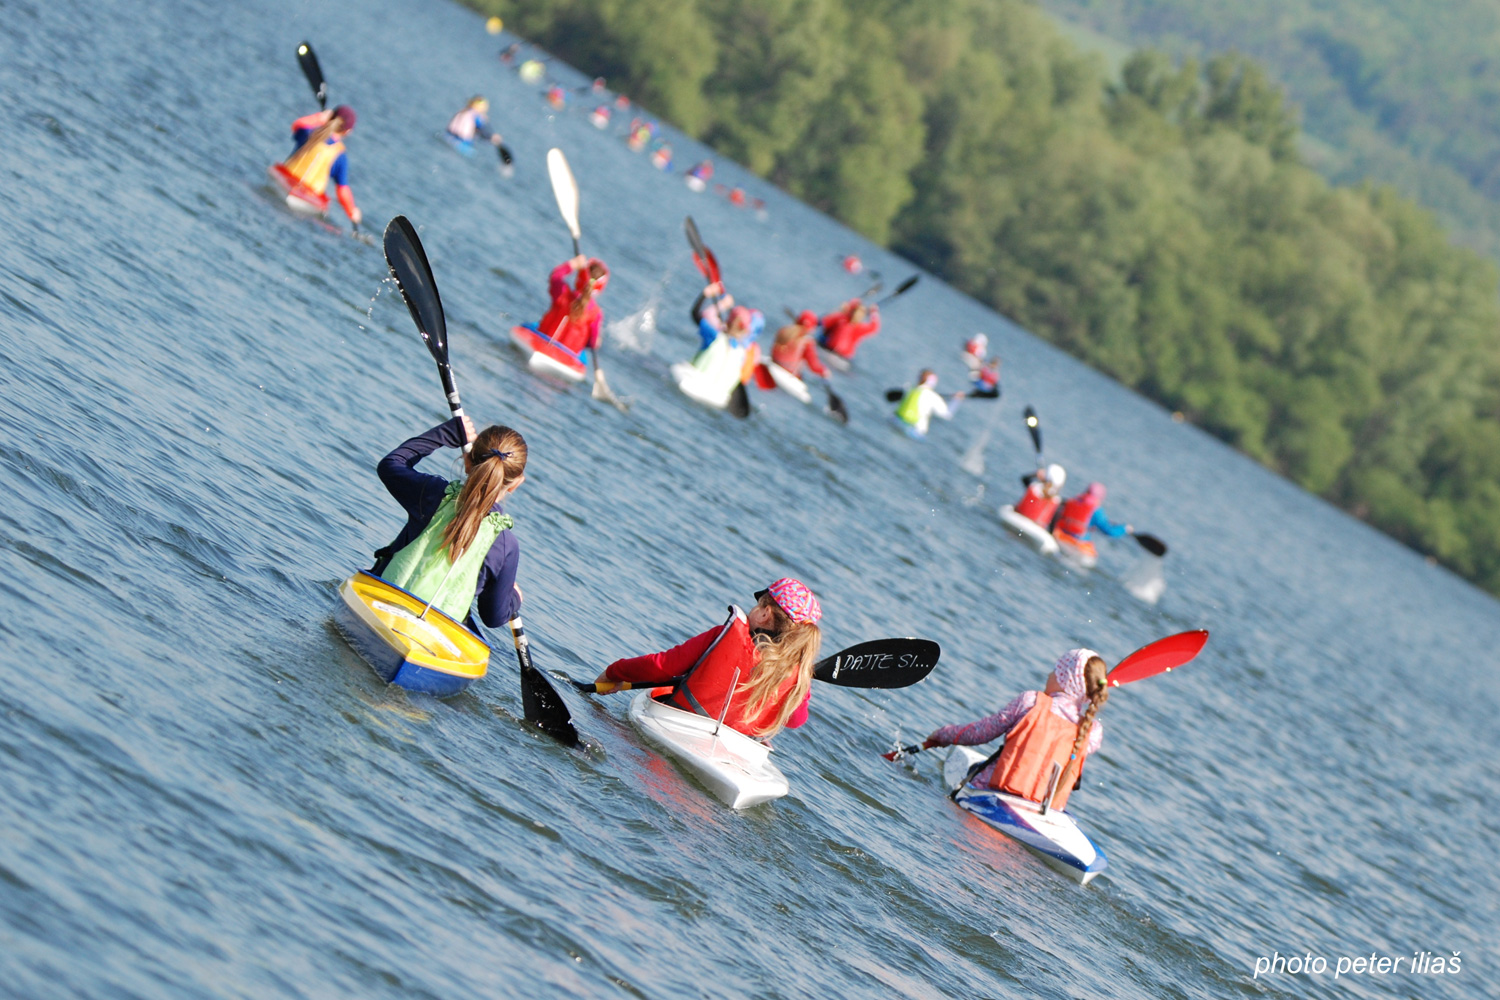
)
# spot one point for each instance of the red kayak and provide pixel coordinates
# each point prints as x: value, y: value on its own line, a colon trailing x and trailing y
x: 299, y: 197
x: 546, y: 356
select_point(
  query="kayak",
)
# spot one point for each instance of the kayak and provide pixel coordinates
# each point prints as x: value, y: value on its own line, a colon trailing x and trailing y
x: 546, y: 356
x: 701, y: 386
x: 697, y: 184
x: 837, y: 362
x: 1078, y: 551
x: 734, y: 767
x: 789, y: 383
x: 384, y: 624
x: 299, y: 198
x: 1053, y: 837
x: 1036, y: 536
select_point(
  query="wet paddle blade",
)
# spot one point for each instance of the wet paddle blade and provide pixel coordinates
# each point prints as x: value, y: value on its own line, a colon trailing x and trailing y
x: 901, y: 289
x: 564, y: 189
x: 739, y: 402
x: 604, y: 394
x: 880, y: 663
x: 408, y: 263
x: 1034, y: 426
x: 308, y: 60
x: 1151, y: 544
x: 703, y: 257
x: 542, y: 705
x: 505, y: 156
x: 894, y: 395
x: 836, y: 408
x: 1158, y: 657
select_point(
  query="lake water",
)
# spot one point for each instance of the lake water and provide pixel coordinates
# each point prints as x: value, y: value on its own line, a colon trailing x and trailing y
x: 204, y: 792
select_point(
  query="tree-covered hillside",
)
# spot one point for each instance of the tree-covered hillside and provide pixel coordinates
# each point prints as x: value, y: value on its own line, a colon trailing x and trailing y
x: 1401, y: 91
x: 1162, y: 228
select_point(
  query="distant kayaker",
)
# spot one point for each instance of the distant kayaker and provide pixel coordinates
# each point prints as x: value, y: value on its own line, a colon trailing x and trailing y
x: 728, y: 351
x: 921, y: 403
x: 986, y: 381
x: 471, y: 121
x: 974, y: 351
x: 1043, y: 494
x: 1041, y: 728
x: 320, y: 157
x: 575, y: 320
x: 1083, y: 513
x: 457, y: 547
x: 843, y: 330
x: 759, y: 664
x: 795, y: 346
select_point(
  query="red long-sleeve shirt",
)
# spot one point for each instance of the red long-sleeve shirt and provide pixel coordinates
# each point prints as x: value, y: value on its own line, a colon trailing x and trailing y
x: 792, y: 355
x: 575, y: 335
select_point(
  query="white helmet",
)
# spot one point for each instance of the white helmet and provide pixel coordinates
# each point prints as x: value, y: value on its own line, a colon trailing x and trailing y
x: 1056, y: 475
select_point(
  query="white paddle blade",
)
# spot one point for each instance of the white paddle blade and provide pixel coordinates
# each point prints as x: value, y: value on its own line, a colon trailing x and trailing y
x: 564, y: 189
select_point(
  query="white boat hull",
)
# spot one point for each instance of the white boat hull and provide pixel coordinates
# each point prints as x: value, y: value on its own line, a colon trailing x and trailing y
x: 789, y: 383
x: 734, y: 767
x: 1035, y: 535
x: 1053, y: 837
x: 699, y: 386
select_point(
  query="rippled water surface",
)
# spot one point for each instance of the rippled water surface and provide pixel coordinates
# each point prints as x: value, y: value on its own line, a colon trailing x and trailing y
x: 204, y: 792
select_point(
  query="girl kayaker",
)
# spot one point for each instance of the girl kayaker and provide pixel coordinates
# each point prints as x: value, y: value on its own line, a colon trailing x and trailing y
x: 457, y: 545
x: 1043, y: 495
x: 921, y: 403
x: 728, y: 352
x: 320, y: 156
x: 843, y: 330
x: 575, y: 320
x: 1083, y: 513
x: 1041, y: 728
x: 760, y: 664
x: 471, y: 121
x: 795, y: 346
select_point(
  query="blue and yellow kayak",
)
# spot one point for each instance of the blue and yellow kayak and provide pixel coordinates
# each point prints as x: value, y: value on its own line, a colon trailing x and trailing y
x: 432, y: 655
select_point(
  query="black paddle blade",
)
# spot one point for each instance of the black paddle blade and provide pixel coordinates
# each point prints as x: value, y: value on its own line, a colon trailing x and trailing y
x: 894, y: 395
x: 694, y: 240
x: 739, y: 402
x: 545, y: 708
x: 836, y: 408
x: 408, y: 262
x: 1035, y: 427
x: 1151, y: 544
x: 308, y: 60
x: 505, y: 156
x: 880, y: 663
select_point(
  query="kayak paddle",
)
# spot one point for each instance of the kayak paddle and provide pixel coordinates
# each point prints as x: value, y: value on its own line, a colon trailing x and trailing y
x: 894, y: 395
x: 901, y: 289
x: 565, y: 190
x: 1150, y: 543
x: 413, y: 274
x: 875, y: 288
x: 1151, y: 659
x: 878, y: 663
x: 1034, y: 426
x: 739, y: 402
x: 308, y: 60
x: 739, y: 399
x: 836, y: 408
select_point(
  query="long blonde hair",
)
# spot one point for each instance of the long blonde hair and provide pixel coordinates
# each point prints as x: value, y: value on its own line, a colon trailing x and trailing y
x: 790, y: 649
x: 1095, y: 685
x: 503, y: 458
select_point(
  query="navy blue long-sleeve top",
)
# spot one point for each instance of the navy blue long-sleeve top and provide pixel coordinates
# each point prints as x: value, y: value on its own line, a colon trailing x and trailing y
x: 421, y: 494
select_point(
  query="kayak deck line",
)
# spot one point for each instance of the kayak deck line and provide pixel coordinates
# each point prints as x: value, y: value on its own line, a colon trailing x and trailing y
x: 1054, y: 836
x: 546, y: 356
x: 429, y: 654
x: 735, y: 768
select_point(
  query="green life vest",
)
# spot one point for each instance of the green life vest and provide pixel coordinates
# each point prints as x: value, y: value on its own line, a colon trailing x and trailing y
x: 422, y: 567
x: 909, y: 409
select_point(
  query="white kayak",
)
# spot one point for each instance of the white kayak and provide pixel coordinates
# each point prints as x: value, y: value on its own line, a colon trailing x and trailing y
x: 1053, y: 837
x: 789, y: 383
x: 1036, y: 536
x: 546, y: 356
x: 702, y: 386
x: 736, y: 768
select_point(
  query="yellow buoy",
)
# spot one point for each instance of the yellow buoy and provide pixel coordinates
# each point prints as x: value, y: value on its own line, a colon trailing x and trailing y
x: 494, y: 26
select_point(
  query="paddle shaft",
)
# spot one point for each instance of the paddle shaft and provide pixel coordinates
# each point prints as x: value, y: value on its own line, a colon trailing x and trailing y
x: 901, y: 289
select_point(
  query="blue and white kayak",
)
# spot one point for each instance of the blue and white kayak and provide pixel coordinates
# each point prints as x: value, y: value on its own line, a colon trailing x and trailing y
x: 1052, y: 836
x: 734, y: 767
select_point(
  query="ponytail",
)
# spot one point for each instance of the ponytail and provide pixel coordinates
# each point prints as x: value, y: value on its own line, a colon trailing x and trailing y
x: 504, y: 460
x: 1096, y: 685
x: 790, y: 651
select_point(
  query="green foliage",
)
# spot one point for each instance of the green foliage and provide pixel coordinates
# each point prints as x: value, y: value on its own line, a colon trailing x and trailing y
x: 1159, y: 226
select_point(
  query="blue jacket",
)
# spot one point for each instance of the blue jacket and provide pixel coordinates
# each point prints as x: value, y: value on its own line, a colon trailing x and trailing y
x: 420, y: 494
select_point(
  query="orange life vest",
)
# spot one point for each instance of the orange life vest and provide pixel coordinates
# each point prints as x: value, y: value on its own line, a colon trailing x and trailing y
x: 1037, y: 505
x: 311, y: 163
x: 1032, y: 746
x: 707, y: 687
x: 1076, y: 514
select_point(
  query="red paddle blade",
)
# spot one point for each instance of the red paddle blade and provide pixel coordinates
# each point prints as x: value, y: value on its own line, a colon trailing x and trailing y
x: 1158, y: 657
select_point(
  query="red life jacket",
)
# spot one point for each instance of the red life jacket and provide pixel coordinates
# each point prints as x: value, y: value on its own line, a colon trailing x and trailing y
x: 707, y: 687
x: 1076, y: 514
x: 572, y: 334
x: 1033, y: 745
x: 1037, y: 505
